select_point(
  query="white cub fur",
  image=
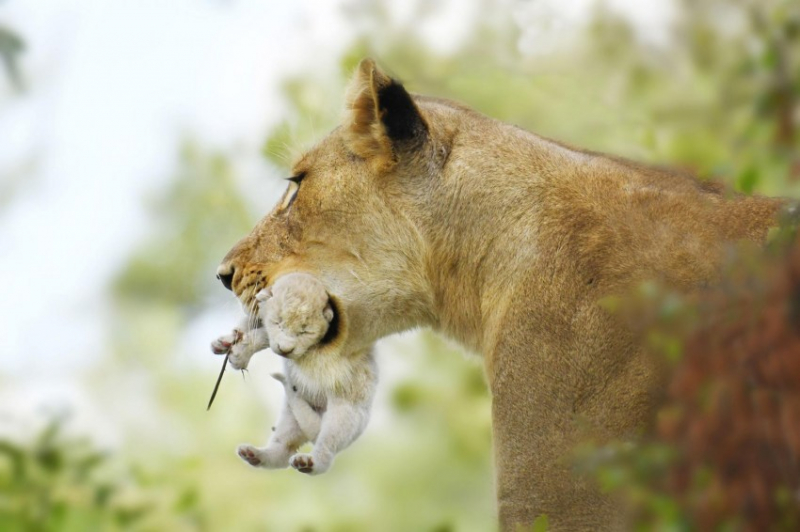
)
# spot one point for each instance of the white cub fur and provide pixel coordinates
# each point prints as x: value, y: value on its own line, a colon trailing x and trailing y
x: 328, y: 394
x: 332, y: 418
x: 241, y: 344
x: 296, y: 313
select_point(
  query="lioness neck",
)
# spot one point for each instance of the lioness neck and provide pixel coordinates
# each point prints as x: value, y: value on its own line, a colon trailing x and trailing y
x: 511, y: 208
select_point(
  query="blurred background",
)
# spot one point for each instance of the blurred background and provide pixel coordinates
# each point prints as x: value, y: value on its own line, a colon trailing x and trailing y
x: 140, y: 140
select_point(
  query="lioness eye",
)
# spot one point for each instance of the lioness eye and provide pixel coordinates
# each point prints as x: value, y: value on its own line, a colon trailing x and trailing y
x: 297, y: 178
x: 294, y: 186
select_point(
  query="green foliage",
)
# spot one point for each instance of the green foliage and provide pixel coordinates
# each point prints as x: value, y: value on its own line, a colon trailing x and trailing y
x: 629, y: 469
x: 780, y: 238
x: 540, y: 524
x: 11, y: 46
x: 54, y: 482
x: 310, y: 116
x: 201, y: 214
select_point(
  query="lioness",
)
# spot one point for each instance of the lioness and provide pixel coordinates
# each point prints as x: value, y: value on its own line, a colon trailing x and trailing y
x: 418, y: 211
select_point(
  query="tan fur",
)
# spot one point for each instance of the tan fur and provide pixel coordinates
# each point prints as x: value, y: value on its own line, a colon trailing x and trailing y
x: 364, y: 136
x: 504, y: 241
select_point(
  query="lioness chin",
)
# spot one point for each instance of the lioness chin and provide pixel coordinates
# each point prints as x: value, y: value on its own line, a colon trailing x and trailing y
x: 418, y: 211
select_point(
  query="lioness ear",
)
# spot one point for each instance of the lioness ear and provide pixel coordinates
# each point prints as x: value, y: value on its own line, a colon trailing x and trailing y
x: 382, y: 116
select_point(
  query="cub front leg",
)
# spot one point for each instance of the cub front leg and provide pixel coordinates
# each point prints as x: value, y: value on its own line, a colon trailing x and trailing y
x: 342, y: 423
x: 240, y: 345
x: 252, y: 342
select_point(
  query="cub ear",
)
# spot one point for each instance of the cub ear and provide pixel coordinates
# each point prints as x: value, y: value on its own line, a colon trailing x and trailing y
x: 280, y: 378
x: 382, y: 118
x: 328, y: 312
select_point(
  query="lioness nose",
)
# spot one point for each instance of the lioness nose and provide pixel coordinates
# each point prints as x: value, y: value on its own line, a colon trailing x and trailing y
x: 225, y: 274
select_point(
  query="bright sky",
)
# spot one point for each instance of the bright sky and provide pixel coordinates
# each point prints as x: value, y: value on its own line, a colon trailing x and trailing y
x: 113, y: 86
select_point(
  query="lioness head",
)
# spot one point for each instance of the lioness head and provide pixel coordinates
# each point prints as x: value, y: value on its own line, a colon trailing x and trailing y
x: 350, y: 214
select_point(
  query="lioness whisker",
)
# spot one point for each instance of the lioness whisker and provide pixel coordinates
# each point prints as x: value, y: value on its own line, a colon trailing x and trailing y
x: 253, y: 314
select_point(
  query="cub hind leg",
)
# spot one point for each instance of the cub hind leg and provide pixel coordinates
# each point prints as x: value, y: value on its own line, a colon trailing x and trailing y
x: 282, y: 445
x: 342, y: 424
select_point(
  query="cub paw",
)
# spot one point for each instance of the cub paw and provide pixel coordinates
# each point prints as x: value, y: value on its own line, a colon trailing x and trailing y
x: 220, y: 346
x: 224, y: 344
x: 249, y: 454
x: 303, y: 463
x: 240, y: 355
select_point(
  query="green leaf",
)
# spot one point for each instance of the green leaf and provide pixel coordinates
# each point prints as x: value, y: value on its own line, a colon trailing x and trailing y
x: 747, y: 180
x: 540, y: 524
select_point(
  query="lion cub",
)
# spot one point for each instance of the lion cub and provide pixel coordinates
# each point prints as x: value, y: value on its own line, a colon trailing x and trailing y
x: 328, y: 394
x: 299, y: 319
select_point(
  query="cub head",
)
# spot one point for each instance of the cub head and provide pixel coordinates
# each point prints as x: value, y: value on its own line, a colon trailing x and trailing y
x: 296, y: 312
x: 353, y: 212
